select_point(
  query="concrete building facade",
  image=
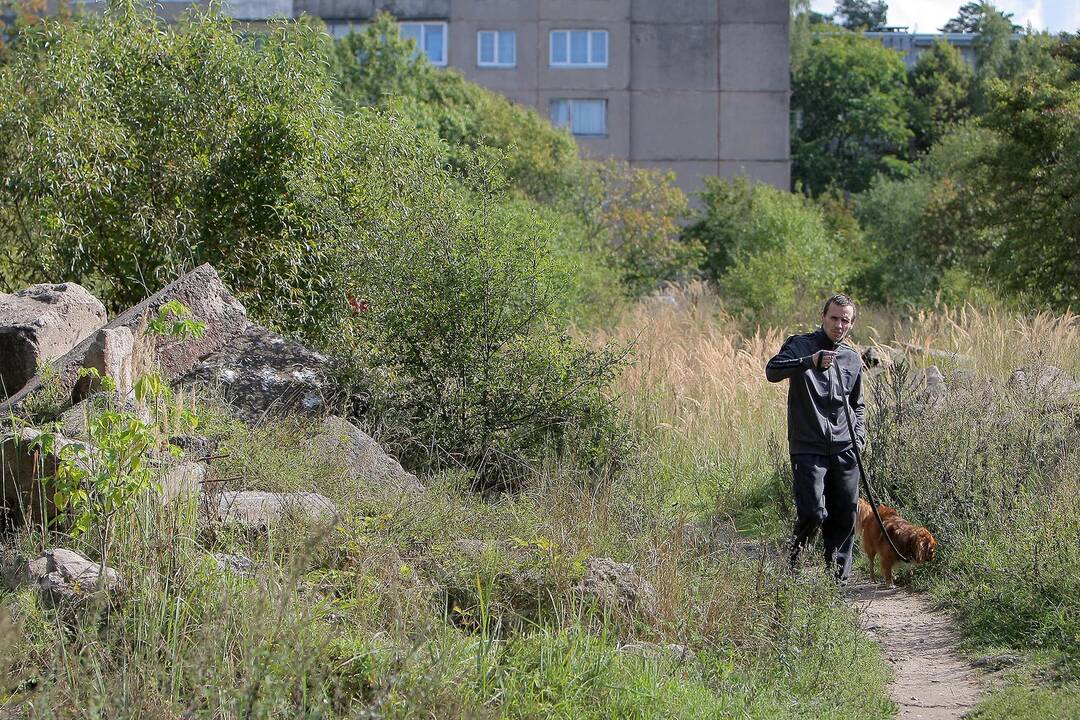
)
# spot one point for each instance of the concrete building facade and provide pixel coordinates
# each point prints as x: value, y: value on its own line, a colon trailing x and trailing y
x: 699, y: 87
x: 912, y: 45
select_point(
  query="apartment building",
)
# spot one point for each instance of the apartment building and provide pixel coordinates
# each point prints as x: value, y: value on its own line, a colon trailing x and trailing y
x: 912, y: 45
x: 699, y: 87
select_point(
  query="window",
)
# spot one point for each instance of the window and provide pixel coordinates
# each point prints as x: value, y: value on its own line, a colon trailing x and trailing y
x: 429, y: 37
x: 496, y: 48
x: 583, y: 117
x: 579, y: 48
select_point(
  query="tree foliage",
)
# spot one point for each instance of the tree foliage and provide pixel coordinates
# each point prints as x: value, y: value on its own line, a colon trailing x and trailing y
x: 131, y: 151
x: 862, y: 14
x: 972, y: 17
x: 852, y: 103
x: 1035, y: 178
x: 940, y: 86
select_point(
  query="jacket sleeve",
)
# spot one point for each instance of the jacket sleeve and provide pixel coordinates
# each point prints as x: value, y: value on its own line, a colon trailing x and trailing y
x: 787, y: 362
x: 858, y: 407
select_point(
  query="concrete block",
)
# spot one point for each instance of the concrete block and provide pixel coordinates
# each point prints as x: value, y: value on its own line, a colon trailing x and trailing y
x: 689, y: 174
x: 42, y: 323
x: 336, y: 9
x: 599, y: 10
x: 755, y: 11
x: 674, y: 125
x: 675, y: 11
x: 754, y: 126
x: 674, y: 57
x: 776, y: 173
x: 489, y: 11
x: 754, y: 57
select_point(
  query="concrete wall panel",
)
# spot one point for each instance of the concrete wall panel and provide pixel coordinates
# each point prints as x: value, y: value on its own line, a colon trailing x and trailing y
x: 776, y: 173
x: 675, y: 11
x: 415, y: 9
x: 754, y: 126
x: 617, y: 142
x: 608, y: 10
x: 689, y: 175
x: 616, y: 76
x: 676, y: 57
x: 492, y: 10
x: 754, y: 57
x: 674, y: 126
x: 463, y: 55
x: 754, y: 11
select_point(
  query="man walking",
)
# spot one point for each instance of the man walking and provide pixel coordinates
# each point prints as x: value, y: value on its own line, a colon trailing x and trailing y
x: 825, y: 472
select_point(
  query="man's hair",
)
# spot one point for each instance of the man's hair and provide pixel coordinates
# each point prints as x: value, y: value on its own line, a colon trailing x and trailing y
x: 841, y: 300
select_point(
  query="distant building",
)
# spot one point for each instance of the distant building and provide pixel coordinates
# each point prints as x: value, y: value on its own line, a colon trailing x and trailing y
x: 700, y: 87
x: 912, y: 45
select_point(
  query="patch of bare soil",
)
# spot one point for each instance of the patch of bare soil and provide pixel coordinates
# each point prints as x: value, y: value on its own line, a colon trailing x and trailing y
x: 931, y: 681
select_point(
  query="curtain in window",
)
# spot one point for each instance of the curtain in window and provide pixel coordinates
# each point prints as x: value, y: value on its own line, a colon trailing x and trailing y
x: 579, y: 47
x: 599, y: 48
x: 588, y: 117
x: 558, y: 47
x: 487, y: 47
x: 433, y: 43
x: 507, y: 47
x: 560, y: 112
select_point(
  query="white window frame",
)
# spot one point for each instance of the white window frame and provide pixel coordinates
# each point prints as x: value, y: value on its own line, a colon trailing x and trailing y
x: 570, y: 102
x: 588, y: 48
x: 420, y: 46
x: 499, y: 62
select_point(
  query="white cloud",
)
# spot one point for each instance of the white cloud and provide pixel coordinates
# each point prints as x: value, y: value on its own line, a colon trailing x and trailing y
x: 929, y: 15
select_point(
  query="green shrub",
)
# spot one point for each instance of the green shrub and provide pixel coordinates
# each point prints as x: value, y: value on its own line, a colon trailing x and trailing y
x: 460, y: 340
x: 774, y: 253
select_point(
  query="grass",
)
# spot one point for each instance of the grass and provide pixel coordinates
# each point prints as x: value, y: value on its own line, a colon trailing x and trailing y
x: 452, y: 604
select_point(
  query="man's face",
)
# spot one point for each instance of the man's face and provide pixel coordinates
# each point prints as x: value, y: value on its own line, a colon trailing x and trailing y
x: 837, y: 321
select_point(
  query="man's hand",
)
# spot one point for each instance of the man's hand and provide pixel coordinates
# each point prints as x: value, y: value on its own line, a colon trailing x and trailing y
x: 823, y: 359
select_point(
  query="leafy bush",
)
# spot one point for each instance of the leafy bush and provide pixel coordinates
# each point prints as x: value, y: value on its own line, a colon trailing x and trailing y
x: 774, y: 254
x: 378, y: 68
x: 458, y: 335
x: 635, y: 215
x: 932, y: 227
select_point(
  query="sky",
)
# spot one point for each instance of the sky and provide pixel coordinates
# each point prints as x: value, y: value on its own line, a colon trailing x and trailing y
x: 929, y: 15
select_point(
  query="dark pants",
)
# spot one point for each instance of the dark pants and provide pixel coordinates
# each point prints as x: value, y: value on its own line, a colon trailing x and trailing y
x: 826, y: 496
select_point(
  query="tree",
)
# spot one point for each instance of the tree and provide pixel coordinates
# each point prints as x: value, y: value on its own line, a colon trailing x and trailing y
x: 862, y: 14
x: 972, y: 15
x: 1035, y: 178
x: 852, y: 103
x: 940, y: 85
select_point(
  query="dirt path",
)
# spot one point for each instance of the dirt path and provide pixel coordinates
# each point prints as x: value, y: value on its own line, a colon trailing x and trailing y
x: 931, y: 681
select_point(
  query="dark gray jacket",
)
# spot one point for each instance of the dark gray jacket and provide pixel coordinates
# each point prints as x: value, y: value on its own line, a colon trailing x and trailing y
x: 816, y: 422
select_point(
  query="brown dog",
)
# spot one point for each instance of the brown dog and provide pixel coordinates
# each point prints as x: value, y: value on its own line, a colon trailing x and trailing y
x: 916, y: 543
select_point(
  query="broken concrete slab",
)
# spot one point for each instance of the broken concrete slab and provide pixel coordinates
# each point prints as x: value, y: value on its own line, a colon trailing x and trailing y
x: 339, y: 441
x: 259, y: 511
x: 42, y: 323
x: 61, y: 576
x: 260, y: 373
x: 201, y: 291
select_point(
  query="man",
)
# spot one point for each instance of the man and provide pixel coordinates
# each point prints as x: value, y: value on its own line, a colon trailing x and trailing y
x: 825, y: 472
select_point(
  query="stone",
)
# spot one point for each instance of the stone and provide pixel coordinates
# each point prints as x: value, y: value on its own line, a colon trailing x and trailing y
x: 111, y: 354
x: 60, y: 576
x: 22, y: 467
x: 239, y: 565
x: 929, y: 385
x: 74, y: 420
x: 260, y: 373
x: 201, y: 291
x: 182, y: 480
x: 339, y: 441
x: 1048, y: 381
x: 194, y: 447
x: 261, y: 510
x: 997, y: 662
x: 617, y: 585
x: 39, y: 324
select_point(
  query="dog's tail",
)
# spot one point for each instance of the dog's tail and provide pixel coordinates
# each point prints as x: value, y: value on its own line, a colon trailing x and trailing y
x: 865, y: 511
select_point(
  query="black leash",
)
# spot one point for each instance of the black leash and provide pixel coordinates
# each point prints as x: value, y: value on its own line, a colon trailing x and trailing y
x: 858, y: 461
